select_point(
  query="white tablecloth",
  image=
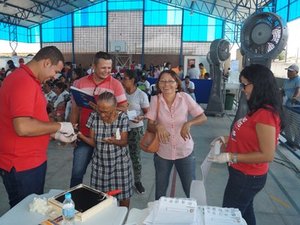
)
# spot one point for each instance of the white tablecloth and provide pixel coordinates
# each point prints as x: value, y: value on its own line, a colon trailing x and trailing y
x: 20, y: 214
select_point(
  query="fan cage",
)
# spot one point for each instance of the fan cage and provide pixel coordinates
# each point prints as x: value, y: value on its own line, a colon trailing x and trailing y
x: 272, y: 47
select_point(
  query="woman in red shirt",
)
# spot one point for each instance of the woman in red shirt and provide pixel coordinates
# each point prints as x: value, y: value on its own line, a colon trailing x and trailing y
x: 252, y: 141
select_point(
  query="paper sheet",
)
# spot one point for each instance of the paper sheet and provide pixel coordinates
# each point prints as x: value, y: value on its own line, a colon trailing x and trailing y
x: 222, y: 216
x: 132, y: 114
x: 175, y: 211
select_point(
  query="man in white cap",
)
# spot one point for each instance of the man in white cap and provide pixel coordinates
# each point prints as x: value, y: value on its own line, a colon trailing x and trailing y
x: 291, y: 88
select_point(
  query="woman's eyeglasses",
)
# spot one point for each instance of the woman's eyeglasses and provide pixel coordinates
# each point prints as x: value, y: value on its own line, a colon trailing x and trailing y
x: 167, y: 81
x: 243, y: 86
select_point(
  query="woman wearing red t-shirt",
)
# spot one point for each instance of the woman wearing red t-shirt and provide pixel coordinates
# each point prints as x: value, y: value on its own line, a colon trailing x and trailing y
x: 252, y: 141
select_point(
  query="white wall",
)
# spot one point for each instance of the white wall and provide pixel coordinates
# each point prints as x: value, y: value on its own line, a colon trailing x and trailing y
x: 22, y: 48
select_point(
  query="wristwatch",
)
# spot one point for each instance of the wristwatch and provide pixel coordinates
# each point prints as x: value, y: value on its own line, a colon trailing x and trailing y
x: 234, y: 157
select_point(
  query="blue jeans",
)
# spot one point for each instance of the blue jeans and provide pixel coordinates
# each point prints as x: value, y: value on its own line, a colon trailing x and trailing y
x: 82, y: 156
x: 240, y: 192
x: 20, y: 184
x: 186, y: 170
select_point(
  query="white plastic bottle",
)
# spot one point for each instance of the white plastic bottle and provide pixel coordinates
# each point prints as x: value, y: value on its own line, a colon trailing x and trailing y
x: 118, y: 134
x: 68, y: 210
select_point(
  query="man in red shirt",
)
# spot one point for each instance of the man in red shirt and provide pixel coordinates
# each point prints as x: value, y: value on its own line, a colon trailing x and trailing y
x: 25, y: 126
x: 94, y: 84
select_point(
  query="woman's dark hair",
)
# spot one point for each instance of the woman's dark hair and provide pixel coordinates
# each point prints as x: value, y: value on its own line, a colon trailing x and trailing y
x: 167, y: 64
x: 11, y: 64
x: 173, y: 75
x: 107, y: 97
x: 131, y: 74
x: 265, y: 93
x: 78, y: 72
x: 61, y: 85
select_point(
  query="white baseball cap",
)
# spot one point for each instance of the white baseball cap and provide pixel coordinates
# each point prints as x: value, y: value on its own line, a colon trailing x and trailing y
x: 293, y: 67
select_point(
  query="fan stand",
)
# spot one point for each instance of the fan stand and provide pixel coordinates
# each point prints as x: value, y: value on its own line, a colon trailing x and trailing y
x: 219, y: 52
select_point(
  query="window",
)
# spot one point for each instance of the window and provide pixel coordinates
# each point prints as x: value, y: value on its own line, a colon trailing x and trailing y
x: 91, y: 16
x: 58, y: 30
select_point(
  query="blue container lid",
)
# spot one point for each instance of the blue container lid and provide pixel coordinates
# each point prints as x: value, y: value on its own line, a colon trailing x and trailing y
x: 68, y: 195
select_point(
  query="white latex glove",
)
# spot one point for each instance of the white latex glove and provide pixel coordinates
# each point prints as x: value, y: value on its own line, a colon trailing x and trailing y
x: 66, y: 128
x: 63, y: 138
x: 221, y: 158
x: 220, y: 138
x: 216, y: 148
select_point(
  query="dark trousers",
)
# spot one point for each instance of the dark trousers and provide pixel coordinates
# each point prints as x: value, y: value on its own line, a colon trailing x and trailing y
x: 240, y: 192
x: 185, y: 167
x: 20, y: 184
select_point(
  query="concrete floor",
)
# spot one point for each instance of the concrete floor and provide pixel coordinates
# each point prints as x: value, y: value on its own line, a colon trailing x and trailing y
x: 278, y: 203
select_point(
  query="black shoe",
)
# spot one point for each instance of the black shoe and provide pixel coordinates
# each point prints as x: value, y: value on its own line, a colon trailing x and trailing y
x: 139, y: 187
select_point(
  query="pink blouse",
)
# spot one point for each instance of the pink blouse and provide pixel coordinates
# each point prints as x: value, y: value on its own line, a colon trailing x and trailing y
x: 173, y: 120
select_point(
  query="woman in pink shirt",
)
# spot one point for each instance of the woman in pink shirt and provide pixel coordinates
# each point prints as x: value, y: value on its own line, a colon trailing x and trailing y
x: 173, y: 128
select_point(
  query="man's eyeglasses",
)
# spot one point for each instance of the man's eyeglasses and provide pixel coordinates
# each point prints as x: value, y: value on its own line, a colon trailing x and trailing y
x: 243, y: 86
x: 167, y: 81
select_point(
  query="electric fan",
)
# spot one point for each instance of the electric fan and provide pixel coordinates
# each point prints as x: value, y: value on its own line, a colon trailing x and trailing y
x: 219, y: 52
x: 263, y: 36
